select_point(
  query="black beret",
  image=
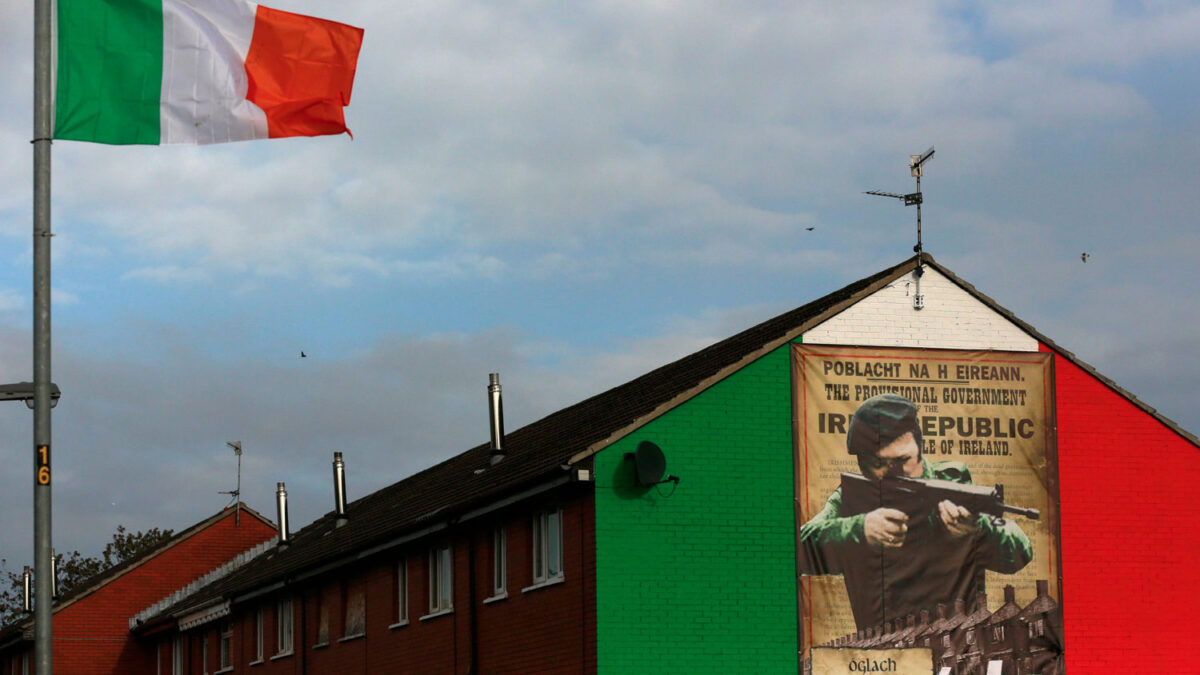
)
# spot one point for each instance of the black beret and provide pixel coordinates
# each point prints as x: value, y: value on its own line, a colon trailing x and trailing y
x: 879, y: 421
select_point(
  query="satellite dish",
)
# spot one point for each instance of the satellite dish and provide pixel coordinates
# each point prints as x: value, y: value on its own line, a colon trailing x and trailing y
x: 650, y: 463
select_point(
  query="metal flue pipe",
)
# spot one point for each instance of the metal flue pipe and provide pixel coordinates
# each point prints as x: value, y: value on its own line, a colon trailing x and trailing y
x: 496, y: 418
x: 281, y: 510
x: 339, y: 488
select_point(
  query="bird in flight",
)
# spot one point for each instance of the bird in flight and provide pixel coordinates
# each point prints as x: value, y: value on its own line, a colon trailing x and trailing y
x: 305, y: 356
x: 1084, y: 257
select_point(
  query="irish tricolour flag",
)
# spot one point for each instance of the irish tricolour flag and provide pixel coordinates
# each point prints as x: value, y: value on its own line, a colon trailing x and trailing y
x: 198, y: 71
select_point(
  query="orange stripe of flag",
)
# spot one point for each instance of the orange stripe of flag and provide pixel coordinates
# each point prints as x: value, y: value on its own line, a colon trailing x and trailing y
x: 301, y: 72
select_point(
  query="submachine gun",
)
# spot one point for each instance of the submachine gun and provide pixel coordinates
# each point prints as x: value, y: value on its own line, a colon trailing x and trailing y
x: 917, y: 497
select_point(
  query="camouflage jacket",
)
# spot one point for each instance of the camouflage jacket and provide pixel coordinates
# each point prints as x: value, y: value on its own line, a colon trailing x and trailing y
x: 930, y: 568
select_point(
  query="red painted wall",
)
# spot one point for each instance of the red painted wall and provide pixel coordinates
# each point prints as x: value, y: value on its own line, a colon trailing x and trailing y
x: 92, y: 634
x: 1129, y: 548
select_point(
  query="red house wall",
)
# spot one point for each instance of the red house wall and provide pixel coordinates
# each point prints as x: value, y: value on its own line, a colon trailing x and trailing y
x: 92, y: 635
x: 545, y: 630
x: 1127, y: 489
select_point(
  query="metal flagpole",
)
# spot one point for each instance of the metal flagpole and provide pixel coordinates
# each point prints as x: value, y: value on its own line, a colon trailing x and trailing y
x: 42, y: 548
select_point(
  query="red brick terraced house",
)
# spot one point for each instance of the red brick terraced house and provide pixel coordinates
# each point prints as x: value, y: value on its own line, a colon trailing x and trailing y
x: 91, y: 621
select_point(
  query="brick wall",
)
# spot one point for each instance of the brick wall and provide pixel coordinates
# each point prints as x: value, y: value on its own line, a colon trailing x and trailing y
x: 542, y: 630
x: 92, y: 635
x: 700, y: 578
x: 1129, y: 507
x: 952, y: 319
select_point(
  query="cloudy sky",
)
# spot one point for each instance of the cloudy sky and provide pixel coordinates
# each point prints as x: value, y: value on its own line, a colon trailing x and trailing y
x: 571, y: 194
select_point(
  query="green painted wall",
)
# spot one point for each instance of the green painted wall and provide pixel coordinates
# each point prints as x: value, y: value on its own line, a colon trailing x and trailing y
x: 703, y: 579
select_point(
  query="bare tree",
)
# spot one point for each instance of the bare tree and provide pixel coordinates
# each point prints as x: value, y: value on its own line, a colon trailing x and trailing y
x: 74, y: 569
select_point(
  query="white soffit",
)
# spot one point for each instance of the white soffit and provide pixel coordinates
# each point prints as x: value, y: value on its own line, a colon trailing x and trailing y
x: 951, y: 318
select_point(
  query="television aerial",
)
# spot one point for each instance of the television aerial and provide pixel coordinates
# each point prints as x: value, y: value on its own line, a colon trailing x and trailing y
x: 236, y: 493
x: 915, y: 165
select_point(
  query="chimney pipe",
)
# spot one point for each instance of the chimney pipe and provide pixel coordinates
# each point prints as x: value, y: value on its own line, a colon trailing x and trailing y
x: 281, y: 510
x: 27, y: 590
x: 1010, y: 594
x: 496, y: 418
x: 339, y: 488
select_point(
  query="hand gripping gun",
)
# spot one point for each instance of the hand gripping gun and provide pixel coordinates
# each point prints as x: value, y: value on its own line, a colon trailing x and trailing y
x: 917, y: 497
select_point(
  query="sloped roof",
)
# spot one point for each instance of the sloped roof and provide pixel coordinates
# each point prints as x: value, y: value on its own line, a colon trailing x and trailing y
x: 537, y: 452
x: 89, y: 586
x: 546, y: 449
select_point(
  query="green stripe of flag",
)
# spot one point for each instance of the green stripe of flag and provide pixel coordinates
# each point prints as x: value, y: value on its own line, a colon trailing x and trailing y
x: 110, y: 64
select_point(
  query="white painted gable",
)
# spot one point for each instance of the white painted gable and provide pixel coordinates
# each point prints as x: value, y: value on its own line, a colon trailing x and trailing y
x: 951, y: 319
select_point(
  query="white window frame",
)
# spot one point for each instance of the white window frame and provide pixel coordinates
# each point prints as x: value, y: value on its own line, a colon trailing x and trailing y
x: 285, y: 629
x: 441, y: 580
x: 258, y: 635
x: 547, y: 548
x: 225, y: 637
x: 499, y: 564
x: 401, y: 593
x: 177, y: 655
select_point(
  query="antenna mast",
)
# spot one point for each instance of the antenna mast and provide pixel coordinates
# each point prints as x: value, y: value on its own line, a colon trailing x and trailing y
x: 916, y: 165
x: 237, y: 493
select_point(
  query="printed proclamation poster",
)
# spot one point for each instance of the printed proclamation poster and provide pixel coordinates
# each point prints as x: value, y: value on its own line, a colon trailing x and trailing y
x: 923, y: 478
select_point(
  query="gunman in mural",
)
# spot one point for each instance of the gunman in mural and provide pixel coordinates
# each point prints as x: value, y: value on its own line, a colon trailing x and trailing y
x: 903, y: 545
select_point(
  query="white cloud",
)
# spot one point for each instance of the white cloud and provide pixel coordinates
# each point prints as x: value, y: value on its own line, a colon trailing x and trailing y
x: 1083, y: 33
x: 167, y: 274
x: 531, y: 124
x: 61, y: 297
x: 11, y: 301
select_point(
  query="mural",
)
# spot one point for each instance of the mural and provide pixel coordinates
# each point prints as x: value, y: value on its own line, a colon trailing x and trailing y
x: 923, y: 477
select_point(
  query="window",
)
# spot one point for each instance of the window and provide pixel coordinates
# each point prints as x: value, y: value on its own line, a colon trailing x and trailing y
x: 204, y: 654
x: 176, y: 655
x: 499, y: 563
x: 401, y: 592
x: 258, y: 635
x: 226, y: 645
x: 971, y: 637
x: 441, y: 593
x: 283, y: 626
x: 322, y: 620
x: 997, y: 633
x: 356, y: 610
x: 1037, y: 628
x: 547, y: 546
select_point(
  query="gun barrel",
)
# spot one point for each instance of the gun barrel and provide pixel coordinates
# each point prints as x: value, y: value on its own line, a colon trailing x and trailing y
x: 1031, y: 514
